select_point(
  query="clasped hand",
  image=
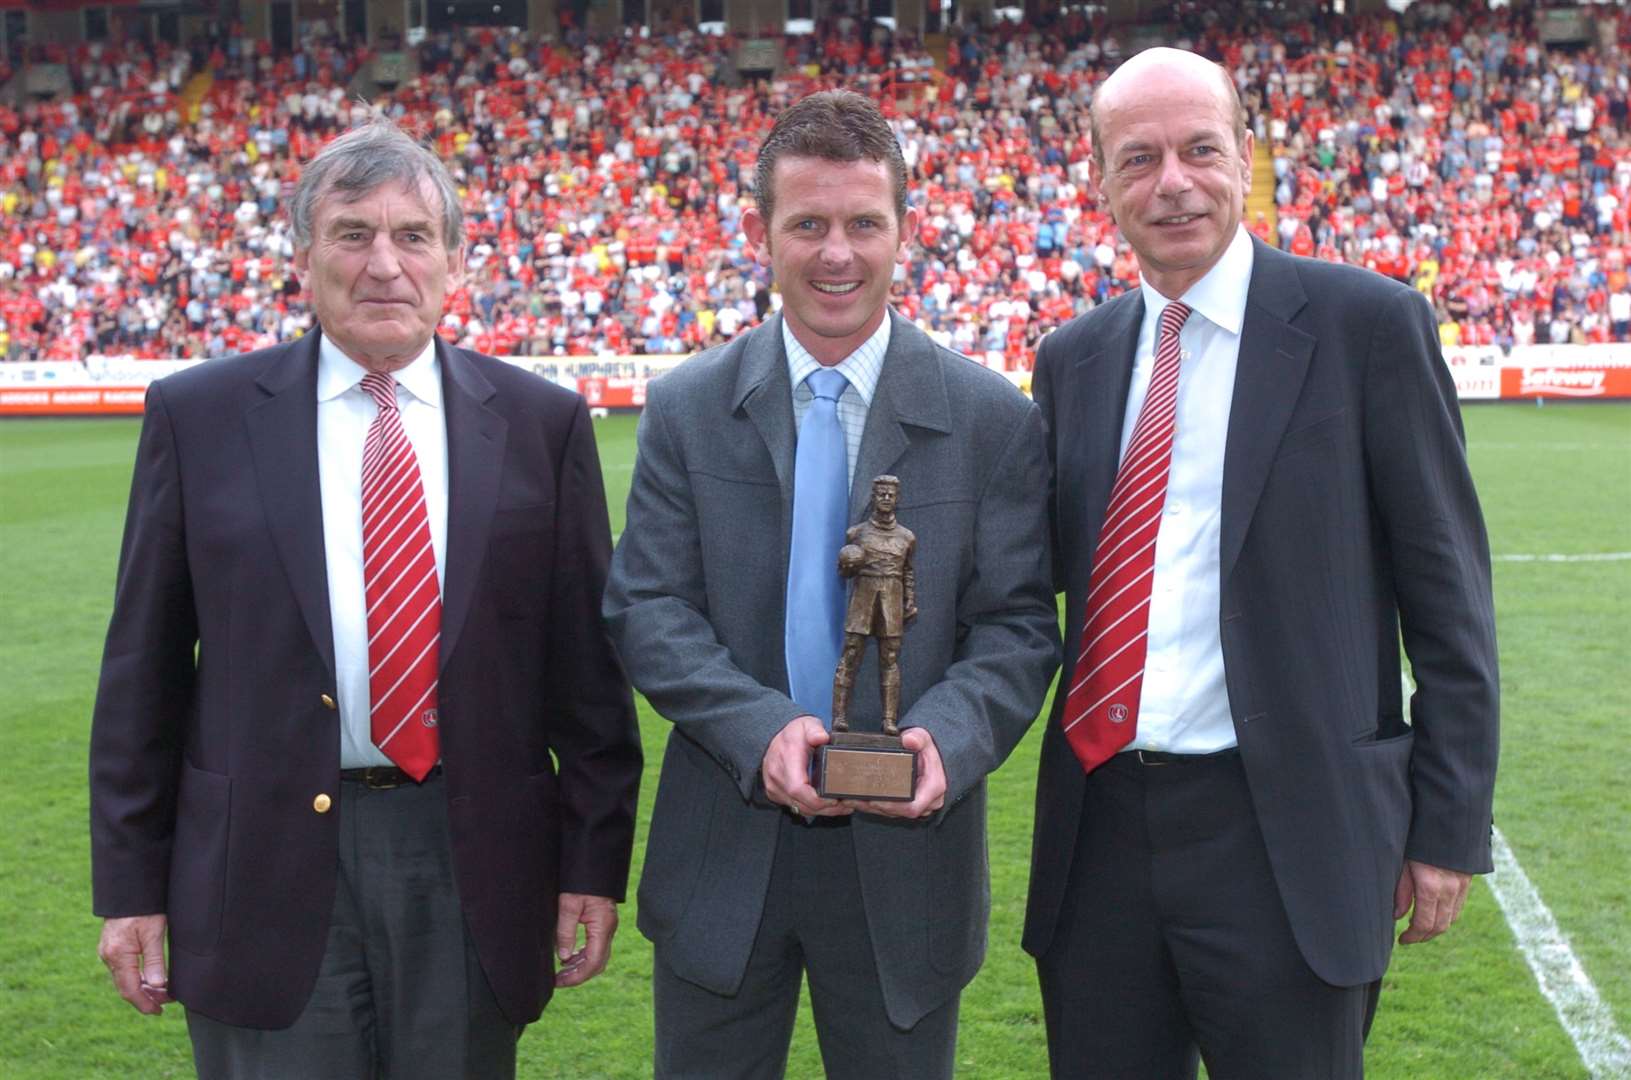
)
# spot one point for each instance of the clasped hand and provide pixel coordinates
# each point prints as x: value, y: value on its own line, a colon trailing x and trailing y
x: 786, y: 774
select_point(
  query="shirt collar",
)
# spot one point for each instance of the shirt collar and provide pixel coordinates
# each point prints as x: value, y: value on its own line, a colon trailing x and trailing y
x: 861, y: 367
x: 1220, y: 295
x: 337, y: 373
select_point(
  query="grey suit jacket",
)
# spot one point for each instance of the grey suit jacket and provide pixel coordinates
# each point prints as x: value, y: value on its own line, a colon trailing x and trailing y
x: 695, y: 602
x: 1348, y: 516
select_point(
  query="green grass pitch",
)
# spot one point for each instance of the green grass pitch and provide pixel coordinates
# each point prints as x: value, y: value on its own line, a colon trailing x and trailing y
x: 1554, y: 480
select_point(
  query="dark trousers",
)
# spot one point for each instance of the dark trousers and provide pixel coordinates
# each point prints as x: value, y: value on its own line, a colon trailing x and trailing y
x: 1173, y: 944
x: 400, y: 994
x: 814, y: 924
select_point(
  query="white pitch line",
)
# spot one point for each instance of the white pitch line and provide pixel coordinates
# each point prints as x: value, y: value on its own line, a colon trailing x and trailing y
x: 1584, y: 1015
x: 1599, y: 556
x: 1604, y: 1051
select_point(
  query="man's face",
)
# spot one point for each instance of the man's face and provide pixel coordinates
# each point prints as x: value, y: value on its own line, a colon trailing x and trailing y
x: 884, y: 496
x: 1173, y: 176
x: 377, y: 272
x: 832, y: 246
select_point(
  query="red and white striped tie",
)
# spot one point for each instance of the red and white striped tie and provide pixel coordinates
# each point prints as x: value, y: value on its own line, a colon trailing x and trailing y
x: 399, y: 584
x: 1101, y: 709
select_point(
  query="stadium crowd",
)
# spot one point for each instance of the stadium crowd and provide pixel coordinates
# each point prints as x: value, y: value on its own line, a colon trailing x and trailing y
x: 604, y: 178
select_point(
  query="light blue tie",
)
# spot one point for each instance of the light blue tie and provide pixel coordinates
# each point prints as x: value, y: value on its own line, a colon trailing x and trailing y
x: 815, y: 592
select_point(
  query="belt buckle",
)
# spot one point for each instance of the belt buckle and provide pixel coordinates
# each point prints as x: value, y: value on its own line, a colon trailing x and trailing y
x: 381, y: 777
x: 1150, y: 761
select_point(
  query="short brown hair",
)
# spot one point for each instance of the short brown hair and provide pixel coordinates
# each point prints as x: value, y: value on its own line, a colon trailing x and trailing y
x: 834, y: 125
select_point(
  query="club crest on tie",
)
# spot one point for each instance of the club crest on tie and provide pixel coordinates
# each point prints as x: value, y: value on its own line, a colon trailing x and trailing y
x: 428, y: 718
x: 1118, y: 714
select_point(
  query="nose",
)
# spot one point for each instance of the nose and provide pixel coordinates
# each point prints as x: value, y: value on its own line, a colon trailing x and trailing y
x: 835, y: 249
x: 1174, y: 178
x: 382, y: 260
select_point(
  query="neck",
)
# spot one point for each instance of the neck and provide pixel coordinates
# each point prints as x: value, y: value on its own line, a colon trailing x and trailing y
x: 380, y: 363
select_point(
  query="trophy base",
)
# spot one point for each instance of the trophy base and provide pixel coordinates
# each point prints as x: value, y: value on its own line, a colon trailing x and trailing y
x: 865, y: 766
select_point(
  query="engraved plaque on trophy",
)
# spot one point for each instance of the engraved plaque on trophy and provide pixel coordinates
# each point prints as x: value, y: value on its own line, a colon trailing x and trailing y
x: 877, y: 558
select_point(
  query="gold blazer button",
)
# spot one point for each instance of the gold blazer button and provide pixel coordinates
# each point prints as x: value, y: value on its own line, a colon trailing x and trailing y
x: 322, y: 803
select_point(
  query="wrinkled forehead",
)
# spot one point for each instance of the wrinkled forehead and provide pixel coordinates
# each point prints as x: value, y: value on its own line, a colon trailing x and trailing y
x: 401, y: 199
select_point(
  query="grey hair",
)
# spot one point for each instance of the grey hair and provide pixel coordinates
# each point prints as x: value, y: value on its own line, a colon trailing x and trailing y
x: 370, y: 155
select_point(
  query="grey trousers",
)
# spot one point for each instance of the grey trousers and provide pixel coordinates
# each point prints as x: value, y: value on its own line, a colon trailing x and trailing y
x: 814, y: 925
x: 400, y: 994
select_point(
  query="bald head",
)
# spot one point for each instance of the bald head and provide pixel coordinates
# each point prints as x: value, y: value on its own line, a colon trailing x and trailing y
x: 1162, y: 65
x: 1172, y: 162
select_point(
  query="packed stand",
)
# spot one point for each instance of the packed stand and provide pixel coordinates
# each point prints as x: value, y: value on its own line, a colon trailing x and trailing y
x: 604, y: 179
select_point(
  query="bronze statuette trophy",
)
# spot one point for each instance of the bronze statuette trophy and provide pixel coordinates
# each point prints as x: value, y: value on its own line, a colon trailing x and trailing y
x: 878, y: 554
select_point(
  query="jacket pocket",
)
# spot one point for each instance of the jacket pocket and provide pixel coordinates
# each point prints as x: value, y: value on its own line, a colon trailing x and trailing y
x: 198, y: 859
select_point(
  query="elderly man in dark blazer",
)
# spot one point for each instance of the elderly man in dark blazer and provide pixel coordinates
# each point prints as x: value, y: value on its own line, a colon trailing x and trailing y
x: 751, y: 880
x: 1259, y: 482
x: 361, y: 747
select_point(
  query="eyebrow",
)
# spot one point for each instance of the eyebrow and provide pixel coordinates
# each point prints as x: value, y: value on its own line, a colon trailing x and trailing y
x: 794, y: 217
x: 1201, y: 135
x: 347, y: 224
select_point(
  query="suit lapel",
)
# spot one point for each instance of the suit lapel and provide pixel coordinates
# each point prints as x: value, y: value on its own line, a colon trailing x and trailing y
x: 911, y: 391
x: 764, y: 394
x: 1097, y: 402
x: 283, y: 444
x: 476, y: 438
x: 1274, y: 357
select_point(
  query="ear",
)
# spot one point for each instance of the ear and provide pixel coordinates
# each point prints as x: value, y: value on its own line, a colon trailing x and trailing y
x: 1095, y: 176
x: 302, y: 264
x: 455, y: 269
x: 757, y: 230
x: 1247, y: 146
x: 908, y: 233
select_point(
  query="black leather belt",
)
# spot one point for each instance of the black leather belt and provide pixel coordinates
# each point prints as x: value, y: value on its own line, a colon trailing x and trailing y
x: 383, y: 777
x: 1161, y: 757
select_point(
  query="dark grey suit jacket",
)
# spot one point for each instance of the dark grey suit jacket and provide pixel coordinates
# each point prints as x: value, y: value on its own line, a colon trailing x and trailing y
x: 212, y: 738
x: 1348, y: 515
x: 696, y: 602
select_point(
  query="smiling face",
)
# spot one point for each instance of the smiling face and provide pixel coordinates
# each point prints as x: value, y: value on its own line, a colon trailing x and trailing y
x: 377, y: 272
x: 1169, y: 165
x: 832, y: 244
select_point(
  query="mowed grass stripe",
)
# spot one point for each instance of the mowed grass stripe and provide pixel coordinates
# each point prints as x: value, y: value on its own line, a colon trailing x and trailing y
x: 1602, y: 556
x: 1464, y: 1006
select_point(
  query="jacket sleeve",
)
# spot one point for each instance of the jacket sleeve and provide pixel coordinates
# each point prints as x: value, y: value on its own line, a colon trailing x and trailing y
x: 1007, y: 622
x: 146, y: 685
x: 593, y: 730
x: 1433, y: 531
x: 656, y: 607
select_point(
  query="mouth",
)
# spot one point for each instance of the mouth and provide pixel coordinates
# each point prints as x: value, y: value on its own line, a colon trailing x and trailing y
x: 834, y: 288
x: 1175, y: 221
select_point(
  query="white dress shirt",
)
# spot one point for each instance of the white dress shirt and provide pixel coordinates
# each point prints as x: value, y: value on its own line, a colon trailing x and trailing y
x: 860, y: 368
x: 1184, y: 704
x: 344, y: 414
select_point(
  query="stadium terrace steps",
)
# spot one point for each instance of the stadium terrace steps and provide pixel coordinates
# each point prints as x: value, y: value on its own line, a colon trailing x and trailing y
x: 936, y: 46
x: 1261, y: 199
x: 194, y: 93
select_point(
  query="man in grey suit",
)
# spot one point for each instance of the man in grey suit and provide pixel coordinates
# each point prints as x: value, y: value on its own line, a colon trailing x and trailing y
x: 1231, y: 809
x: 751, y: 879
